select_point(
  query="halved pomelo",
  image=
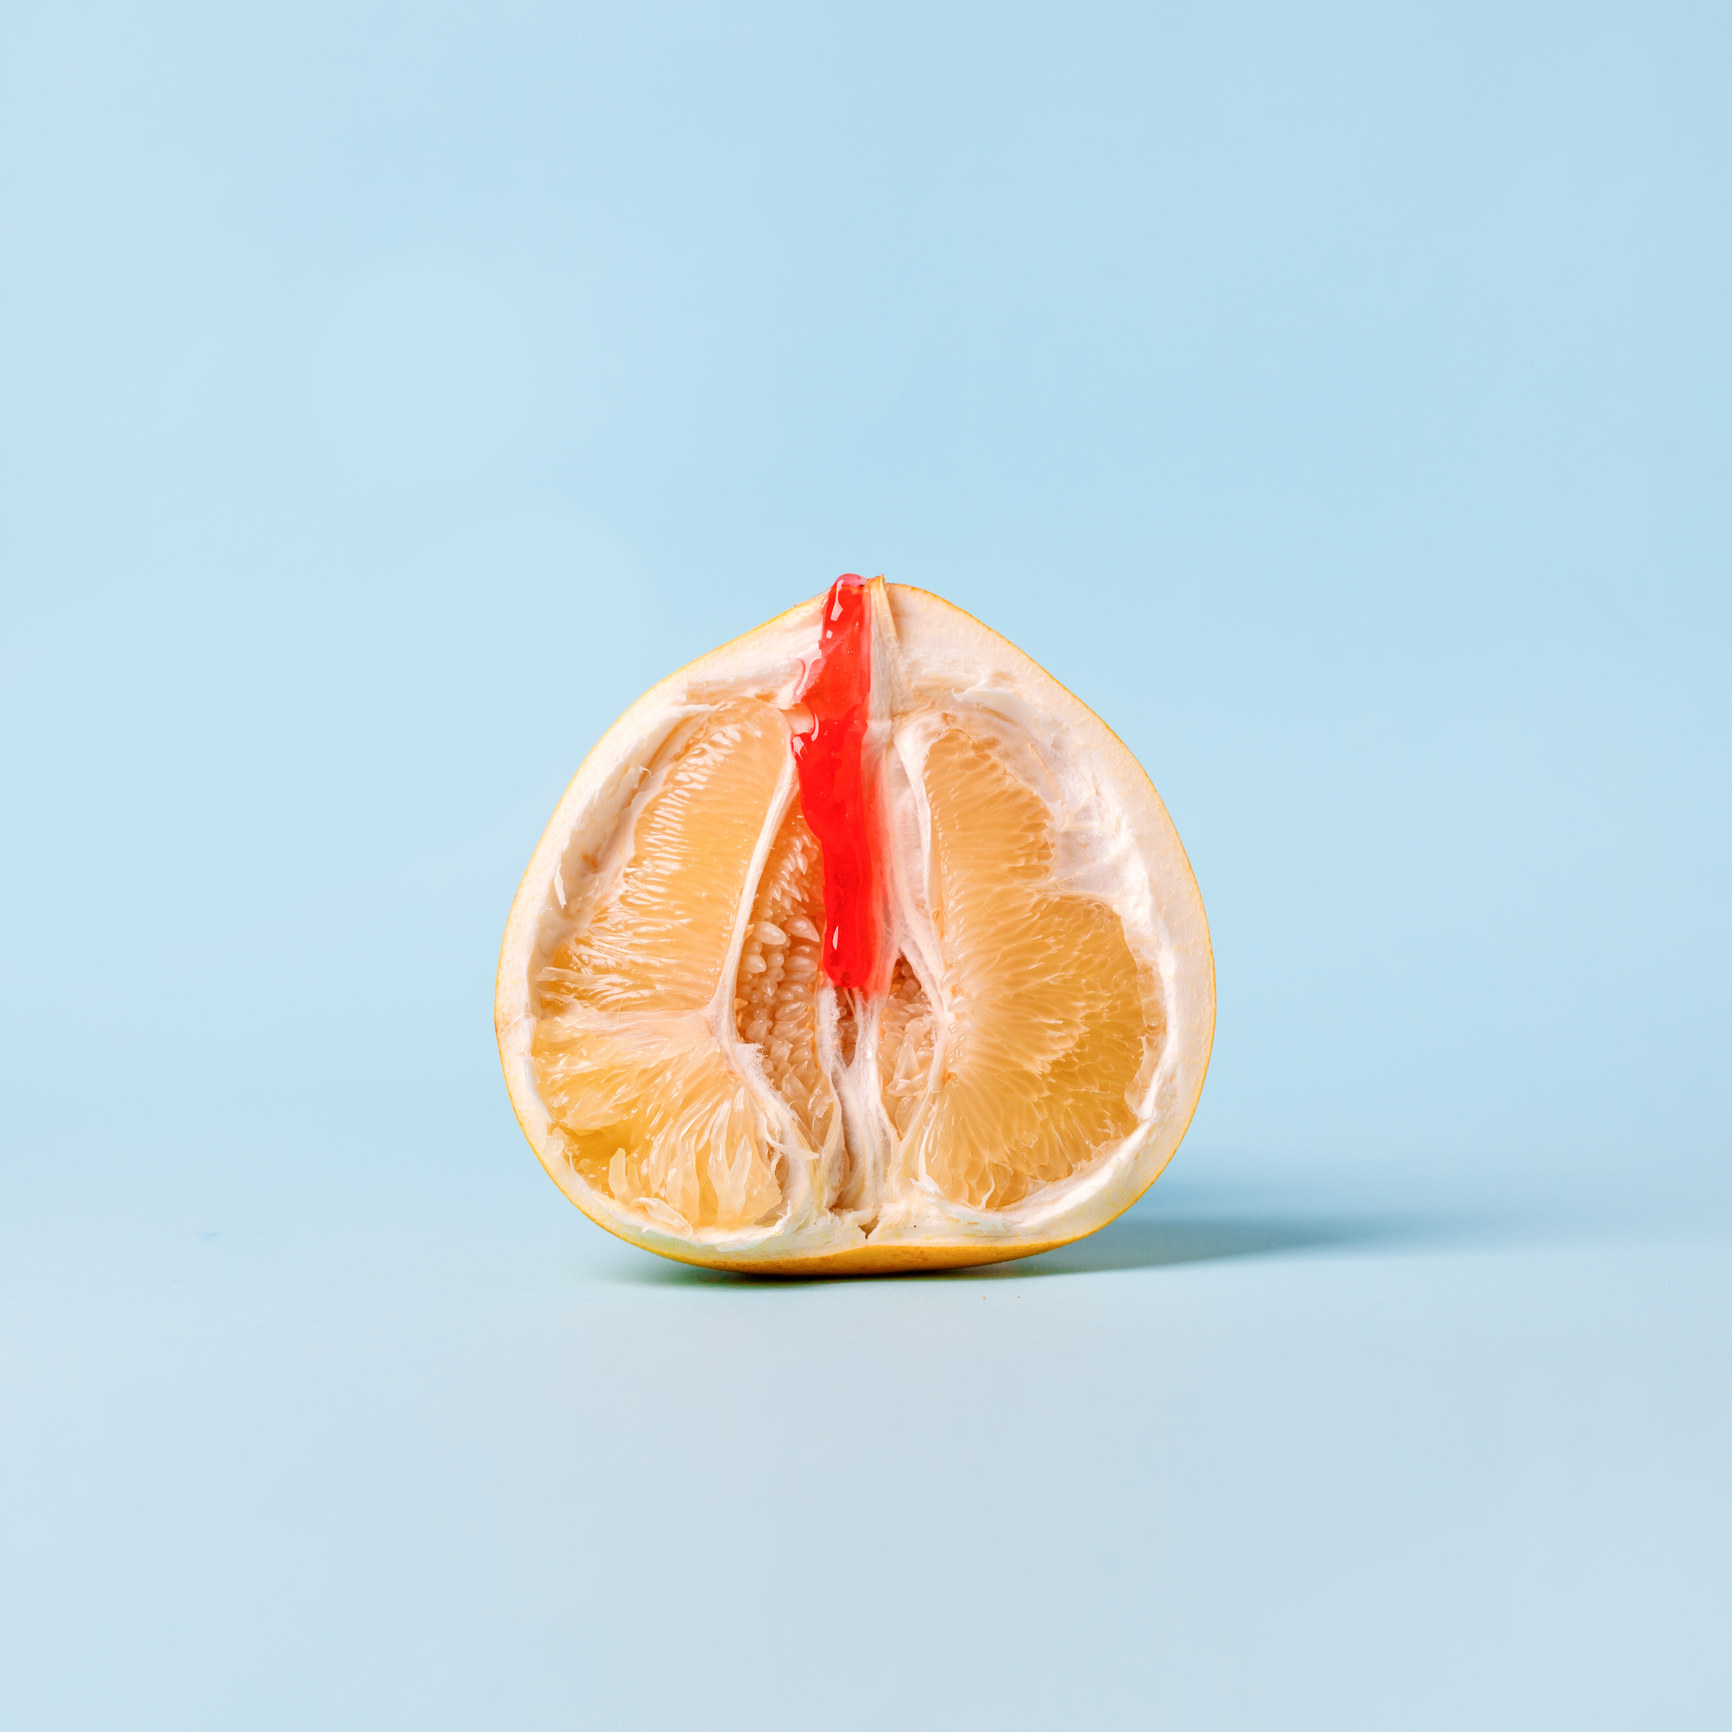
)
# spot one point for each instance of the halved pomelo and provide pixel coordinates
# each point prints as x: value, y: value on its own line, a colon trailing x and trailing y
x: 858, y: 945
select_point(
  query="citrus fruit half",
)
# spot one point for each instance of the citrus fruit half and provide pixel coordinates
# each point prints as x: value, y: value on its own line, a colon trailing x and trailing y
x: 858, y: 945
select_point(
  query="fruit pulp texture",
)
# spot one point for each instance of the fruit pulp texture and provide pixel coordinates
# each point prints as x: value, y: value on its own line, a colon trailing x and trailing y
x: 839, y: 792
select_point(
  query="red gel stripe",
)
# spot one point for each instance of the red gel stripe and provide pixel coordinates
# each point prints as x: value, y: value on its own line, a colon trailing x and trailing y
x: 839, y: 790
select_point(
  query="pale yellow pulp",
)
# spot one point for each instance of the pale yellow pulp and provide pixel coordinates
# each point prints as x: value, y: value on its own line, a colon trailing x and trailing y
x: 685, y: 1096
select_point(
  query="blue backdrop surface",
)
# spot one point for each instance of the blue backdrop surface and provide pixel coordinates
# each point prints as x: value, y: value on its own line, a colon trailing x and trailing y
x: 1339, y: 399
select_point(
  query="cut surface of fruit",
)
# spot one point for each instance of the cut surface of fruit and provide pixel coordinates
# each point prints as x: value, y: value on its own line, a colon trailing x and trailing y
x: 860, y: 944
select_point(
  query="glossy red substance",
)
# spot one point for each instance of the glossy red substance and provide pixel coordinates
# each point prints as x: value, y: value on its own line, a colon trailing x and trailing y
x: 839, y: 791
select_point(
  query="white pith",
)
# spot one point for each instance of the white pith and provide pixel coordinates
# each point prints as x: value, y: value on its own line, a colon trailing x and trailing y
x: 1115, y: 844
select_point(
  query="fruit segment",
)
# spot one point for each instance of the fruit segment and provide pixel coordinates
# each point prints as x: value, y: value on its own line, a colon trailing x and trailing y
x: 1048, y: 1022
x: 844, y: 968
x: 839, y: 791
x: 905, y: 1039
x: 646, y: 1105
x: 776, y: 986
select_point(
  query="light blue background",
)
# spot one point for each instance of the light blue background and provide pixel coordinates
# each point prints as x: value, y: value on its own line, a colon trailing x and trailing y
x: 1337, y: 398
